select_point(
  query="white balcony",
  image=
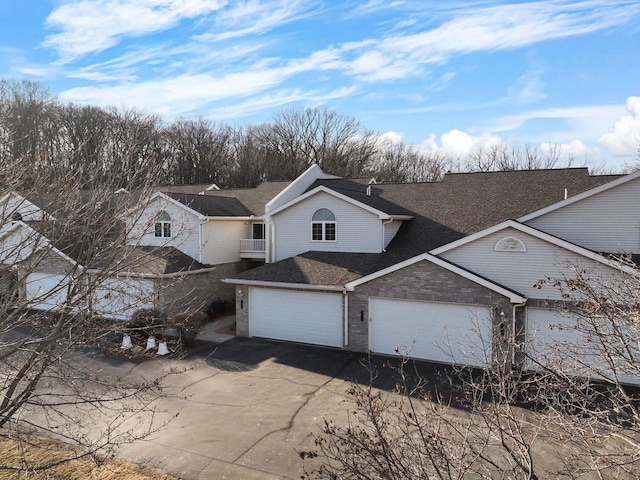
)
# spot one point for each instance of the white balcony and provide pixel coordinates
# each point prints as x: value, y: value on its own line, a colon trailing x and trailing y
x: 253, y: 248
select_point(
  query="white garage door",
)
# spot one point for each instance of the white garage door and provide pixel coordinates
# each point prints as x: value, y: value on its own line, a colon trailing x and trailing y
x: 306, y: 317
x: 442, y: 332
x: 119, y: 298
x: 46, y: 291
x: 554, y: 342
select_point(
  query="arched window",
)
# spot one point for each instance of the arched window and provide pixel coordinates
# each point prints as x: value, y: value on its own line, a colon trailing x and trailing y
x: 323, y: 226
x: 162, y: 227
x: 510, y: 244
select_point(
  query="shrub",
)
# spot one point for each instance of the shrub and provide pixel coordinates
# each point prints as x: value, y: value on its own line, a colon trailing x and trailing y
x: 188, y: 324
x: 145, y: 322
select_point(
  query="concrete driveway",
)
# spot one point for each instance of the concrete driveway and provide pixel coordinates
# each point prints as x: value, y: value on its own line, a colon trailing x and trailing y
x: 245, y: 409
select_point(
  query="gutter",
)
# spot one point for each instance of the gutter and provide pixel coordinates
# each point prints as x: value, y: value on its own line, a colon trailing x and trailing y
x: 296, y: 286
x: 383, y: 248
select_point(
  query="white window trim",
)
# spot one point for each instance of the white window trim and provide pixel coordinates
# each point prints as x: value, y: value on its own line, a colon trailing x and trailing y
x: 501, y: 245
x: 324, y: 231
x: 324, y: 224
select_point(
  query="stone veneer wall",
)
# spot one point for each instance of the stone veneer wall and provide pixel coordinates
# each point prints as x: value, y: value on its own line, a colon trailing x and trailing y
x: 421, y: 281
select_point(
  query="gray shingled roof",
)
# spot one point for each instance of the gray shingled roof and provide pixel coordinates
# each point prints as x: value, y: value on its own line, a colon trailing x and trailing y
x: 212, y: 206
x: 253, y: 198
x: 460, y: 205
x: 358, y: 191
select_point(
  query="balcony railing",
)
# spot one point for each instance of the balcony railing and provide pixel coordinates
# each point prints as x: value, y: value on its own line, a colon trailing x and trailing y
x: 252, y: 248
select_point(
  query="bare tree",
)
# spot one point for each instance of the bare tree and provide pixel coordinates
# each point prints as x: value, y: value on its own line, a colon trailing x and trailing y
x: 397, y: 162
x: 570, y: 407
x: 59, y: 244
x: 297, y: 139
x: 198, y: 151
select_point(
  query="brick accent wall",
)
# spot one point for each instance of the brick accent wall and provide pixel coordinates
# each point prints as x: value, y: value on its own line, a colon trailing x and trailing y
x: 198, y: 290
x: 422, y: 281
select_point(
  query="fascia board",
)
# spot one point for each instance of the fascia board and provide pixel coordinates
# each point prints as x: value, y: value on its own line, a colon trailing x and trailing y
x: 581, y: 196
x: 513, y: 296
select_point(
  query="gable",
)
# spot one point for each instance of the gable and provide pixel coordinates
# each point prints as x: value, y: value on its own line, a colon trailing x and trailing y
x: 184, y: 229
x: 358, y: 230
x: 607, y: 221
x: 522, y: 268
x: 15, y: 207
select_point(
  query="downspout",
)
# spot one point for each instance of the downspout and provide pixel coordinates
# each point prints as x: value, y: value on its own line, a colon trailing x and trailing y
x: 201, y: 248
x: 345, y: 296
x: 273, y: 241
x: 382, y: 242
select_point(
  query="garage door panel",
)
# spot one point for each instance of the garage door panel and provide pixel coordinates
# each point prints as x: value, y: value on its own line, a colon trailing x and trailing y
x: 554, y: 341
x: 306, y: 317
x: 46, y: 291
x: 120, y: 298
x: 433, y: 331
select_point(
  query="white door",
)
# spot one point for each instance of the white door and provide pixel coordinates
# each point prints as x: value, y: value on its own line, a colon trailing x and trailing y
x: 441, y: 332
x: 306, y: 317
x: 118, y: 298
x: 46, y: 291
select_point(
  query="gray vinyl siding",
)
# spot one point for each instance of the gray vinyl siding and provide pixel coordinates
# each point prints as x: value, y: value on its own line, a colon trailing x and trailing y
x: 520, y: 271
x: 358, y: 230
x: 592, y: 222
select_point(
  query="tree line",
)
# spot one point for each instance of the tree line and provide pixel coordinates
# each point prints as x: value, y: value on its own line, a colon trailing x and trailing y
x: 100, y: 143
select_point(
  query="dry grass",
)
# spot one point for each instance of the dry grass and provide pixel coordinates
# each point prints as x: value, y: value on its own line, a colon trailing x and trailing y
x: 41, y: 452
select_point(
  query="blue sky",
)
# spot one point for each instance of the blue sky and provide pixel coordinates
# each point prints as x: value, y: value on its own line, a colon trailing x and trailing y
x: 449, y: 75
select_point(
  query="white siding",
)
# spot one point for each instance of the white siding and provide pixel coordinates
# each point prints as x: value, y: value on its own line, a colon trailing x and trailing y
x: 606, y: 222
x: 222, y: 240
x: 358, y: 230
x: 390, y: 230
x: 185, y: 228
x: 521, y: 270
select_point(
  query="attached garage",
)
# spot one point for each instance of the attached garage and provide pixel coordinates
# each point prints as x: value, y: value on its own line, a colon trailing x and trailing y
x: 119, y: 298
x: 296, y: 316
x: 46, y: 291
x: 441, y: 332
x: 554, y: 341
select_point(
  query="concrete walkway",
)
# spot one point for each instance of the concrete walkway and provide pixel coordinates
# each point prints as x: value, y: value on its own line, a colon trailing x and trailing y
x: 219, y: 330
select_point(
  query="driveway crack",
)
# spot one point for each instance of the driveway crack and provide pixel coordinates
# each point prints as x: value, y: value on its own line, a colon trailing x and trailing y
x: 308, y: 397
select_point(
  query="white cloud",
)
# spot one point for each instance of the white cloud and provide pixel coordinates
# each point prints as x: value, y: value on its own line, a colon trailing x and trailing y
x: 251, y: 17
x: 458, y: 143
x: 96, y: 25
x: 574, y: 150
x: 624, y: 139
x: 483, y: 29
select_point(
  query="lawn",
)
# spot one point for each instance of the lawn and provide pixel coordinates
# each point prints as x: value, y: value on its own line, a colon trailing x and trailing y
x: 41, y: 451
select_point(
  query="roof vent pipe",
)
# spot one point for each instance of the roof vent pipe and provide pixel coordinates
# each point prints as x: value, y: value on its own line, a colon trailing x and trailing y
x: 566, y: 193
x: 368, y: 190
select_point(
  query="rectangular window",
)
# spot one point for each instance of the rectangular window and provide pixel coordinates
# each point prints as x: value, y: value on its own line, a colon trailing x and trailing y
x: 330, y: 231
x: 316, y: 231
x: 162, y: 229
x: 258, y: 231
